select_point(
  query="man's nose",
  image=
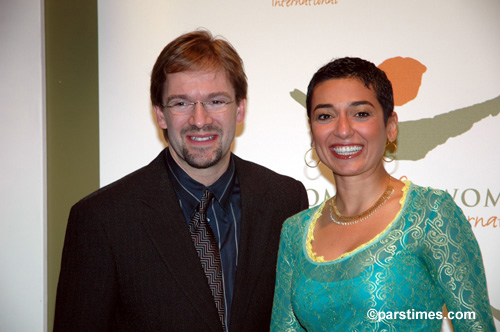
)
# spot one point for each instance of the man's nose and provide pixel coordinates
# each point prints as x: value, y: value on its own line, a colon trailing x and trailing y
x: 200, y: 117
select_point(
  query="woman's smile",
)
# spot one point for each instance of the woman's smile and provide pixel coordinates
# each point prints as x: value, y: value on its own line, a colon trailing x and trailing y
x: 346, y: 151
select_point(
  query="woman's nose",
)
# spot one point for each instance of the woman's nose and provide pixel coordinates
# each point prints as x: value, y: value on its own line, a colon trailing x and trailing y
x: 343, y: 127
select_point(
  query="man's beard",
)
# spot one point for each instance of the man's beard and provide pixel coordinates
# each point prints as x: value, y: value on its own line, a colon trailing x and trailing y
x: 200, y: 161
x: 193, y: 161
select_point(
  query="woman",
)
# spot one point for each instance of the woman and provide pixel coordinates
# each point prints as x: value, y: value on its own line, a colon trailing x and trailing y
x: 382, y: 255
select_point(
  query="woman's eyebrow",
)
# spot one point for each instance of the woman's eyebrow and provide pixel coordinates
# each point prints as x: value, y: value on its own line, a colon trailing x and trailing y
x: 360, y: 103
x: 356, y: 103
x: 320, y: 106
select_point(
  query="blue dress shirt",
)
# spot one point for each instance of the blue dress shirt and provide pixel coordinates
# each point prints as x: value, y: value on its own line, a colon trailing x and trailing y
x: 224, y: 216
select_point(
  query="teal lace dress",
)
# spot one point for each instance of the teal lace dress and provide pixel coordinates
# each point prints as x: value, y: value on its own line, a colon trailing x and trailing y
x: 399, y: 281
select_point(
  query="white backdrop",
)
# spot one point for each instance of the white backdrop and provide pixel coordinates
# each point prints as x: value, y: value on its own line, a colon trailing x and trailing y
x: 23, y: 256
x: 283, y: 42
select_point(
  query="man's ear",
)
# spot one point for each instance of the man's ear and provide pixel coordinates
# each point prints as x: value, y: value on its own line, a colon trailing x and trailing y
x: 160, y: 117
x: 240, y: 111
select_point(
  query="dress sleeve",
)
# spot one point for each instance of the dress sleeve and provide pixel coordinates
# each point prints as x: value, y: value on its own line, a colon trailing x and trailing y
x: 283, y: 318
x: 455, y: 263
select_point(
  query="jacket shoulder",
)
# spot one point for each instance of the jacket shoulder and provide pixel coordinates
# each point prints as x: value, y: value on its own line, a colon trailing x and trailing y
x: 131, y: 184
x: 261, y: 180
x: 249, y: 167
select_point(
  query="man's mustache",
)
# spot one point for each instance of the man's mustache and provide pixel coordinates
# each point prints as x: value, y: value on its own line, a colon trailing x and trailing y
x: 207, y: 128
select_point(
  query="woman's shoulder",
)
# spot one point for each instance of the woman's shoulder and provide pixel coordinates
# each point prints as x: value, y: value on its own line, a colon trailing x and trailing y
x: 436, y: 206
x: 432, y: 196
x: 301, y: 219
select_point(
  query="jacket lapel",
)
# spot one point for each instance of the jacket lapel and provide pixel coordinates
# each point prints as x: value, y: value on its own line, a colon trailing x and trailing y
x: 167, y: 229
x: 253, y: 237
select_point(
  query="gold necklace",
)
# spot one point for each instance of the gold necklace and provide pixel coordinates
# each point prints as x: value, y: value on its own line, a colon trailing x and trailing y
x: 342, y: 220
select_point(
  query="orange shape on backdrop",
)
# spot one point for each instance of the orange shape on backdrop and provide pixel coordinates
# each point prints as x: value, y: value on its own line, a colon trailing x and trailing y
x: 405, y: 75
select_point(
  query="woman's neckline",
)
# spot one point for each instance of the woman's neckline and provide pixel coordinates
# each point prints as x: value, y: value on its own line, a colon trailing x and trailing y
x: 310, y: 231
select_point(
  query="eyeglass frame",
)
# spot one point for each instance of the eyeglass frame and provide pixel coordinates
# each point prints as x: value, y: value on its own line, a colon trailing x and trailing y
x: 192, y: 105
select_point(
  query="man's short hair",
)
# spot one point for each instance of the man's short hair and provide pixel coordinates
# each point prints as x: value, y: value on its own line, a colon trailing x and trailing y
x: 365, y: 71
x: 198, y: 51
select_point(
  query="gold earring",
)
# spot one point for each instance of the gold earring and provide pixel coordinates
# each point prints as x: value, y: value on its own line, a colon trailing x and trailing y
x: 394, y: 153
x: 305, y: 159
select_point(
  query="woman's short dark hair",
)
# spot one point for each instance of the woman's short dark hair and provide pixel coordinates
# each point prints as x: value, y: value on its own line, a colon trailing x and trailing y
x: 365, y: 71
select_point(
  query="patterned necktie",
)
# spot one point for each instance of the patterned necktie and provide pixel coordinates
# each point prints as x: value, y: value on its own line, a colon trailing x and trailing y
x: 208, y: 251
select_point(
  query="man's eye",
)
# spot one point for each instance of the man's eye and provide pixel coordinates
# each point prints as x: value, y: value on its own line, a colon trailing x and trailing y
x: 178, y: 103
x: 216, y: 102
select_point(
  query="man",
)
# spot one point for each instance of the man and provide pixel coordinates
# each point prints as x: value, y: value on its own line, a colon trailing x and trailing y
x: 189, y: 242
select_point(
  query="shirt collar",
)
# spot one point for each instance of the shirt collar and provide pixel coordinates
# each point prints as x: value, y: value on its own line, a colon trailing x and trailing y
x: 190, y: 190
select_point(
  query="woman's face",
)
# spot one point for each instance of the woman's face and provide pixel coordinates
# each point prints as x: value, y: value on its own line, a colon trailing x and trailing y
x: 347, y: 124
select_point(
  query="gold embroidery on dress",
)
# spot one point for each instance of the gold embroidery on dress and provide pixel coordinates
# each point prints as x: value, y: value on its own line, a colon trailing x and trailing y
x: 312, y: 226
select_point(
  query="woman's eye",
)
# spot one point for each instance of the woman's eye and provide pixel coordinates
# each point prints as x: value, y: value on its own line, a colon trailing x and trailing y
x: 324, y: 117
x: 362, y: 114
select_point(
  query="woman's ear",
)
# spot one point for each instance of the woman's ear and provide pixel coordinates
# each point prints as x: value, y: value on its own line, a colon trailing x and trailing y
x: 392, y: 127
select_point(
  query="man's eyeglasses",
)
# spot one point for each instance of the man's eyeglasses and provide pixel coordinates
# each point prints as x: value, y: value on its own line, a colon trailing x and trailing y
x: 181, y: 106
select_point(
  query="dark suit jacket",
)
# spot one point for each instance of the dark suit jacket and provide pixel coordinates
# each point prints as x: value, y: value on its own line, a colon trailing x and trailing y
x: 129, y: 264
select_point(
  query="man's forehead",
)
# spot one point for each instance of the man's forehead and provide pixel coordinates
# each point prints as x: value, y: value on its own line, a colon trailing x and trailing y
x: 198, y: 82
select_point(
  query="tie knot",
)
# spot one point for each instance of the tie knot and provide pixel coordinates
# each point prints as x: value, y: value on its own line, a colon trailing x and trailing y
x: 205, y: 200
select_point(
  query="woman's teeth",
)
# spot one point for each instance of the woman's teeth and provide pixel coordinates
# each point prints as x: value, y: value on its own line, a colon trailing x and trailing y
x: 347, y: 150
